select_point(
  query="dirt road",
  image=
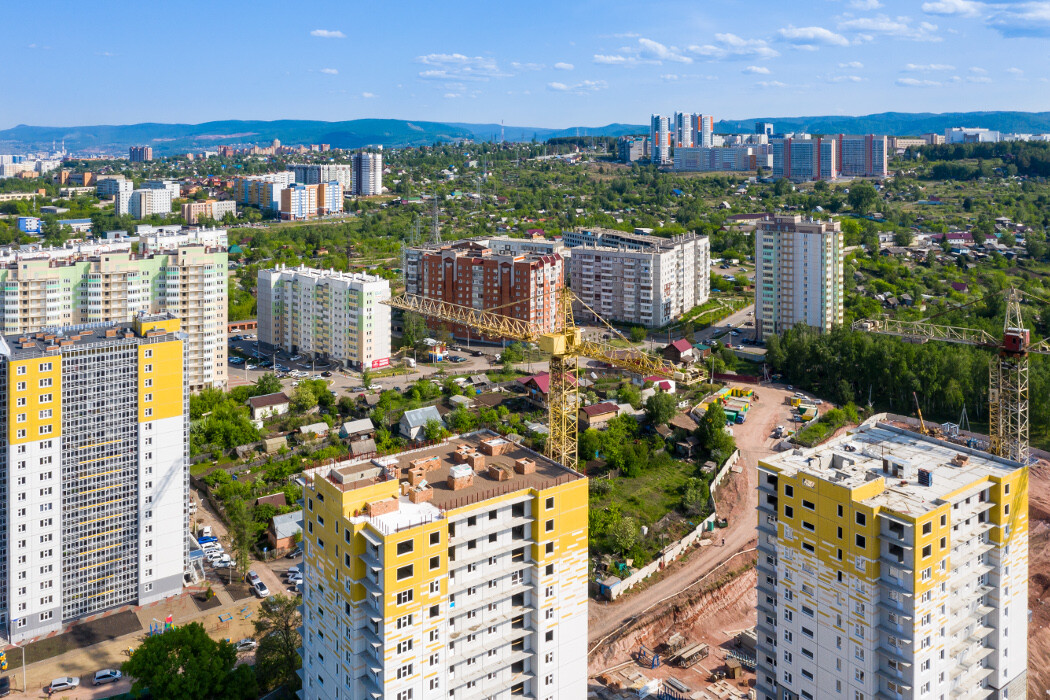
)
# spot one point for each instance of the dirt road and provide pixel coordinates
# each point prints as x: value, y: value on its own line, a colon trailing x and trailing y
x: 737, y: 500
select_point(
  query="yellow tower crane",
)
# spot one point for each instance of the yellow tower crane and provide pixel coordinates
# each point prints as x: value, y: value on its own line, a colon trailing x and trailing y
x: 565, y: 345
x: 1007, y: 372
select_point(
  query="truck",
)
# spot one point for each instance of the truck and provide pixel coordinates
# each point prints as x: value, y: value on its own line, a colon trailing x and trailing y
x: 740, y: 417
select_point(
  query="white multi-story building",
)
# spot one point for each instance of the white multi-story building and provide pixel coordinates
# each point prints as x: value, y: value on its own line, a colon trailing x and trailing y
x: 328, y: 315
x: 684, y: 134
x: 892, y: 565
x: 329, y: 197
x: 862, y: 156
x: 173, y: 187
x: 121, y: 190
x: 96, y: 472
x: 315, y: 174
x: 634, y: 278
x: 368, y: 174
x: 963, y: 134
x: 660, y: 139
x: 459, y: 571
x: 803, y: 159
x: 798, y: 274
x: 110, y: 185
x: 145, y: 203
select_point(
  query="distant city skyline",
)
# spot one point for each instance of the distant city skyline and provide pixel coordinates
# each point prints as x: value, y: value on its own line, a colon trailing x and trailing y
x: 540, y: 64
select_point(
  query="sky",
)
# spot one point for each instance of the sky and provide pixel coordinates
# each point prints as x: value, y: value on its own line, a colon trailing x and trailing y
x: 537, y: 63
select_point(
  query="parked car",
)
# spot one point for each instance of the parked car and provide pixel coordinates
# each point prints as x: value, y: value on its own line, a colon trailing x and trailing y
x: 205, y: 531
x: 476, y: 353
x: 297, y: 569
x: 246, y: 645
x: 222, y: 564
x: 326, y: 374
x: 295, y: 578
x: 5, y: 686
x: 206, y: 540
x: 211, y: 547
x: 107, y: 675
x: 60, y: 684
x: 261, y: 590
x: 252, y: 578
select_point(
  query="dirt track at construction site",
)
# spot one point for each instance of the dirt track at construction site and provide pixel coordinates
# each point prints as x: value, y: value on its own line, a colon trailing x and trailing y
x: 1039, y: 580
x: 635, y: 617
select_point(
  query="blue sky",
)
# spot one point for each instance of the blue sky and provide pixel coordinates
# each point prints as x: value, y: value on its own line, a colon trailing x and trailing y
x: 537, y: 63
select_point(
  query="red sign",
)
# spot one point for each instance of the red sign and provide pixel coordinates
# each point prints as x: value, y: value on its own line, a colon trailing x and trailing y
x: 384, y: 362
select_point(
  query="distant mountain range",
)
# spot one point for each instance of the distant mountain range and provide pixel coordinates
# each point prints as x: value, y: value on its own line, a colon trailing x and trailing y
x: 393, y: 133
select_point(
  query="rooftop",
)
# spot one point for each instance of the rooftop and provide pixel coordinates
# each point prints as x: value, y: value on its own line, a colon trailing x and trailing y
x: 268, y: 400
x: 51, y: 340
x: 875, y: 449
x: 351, y: 475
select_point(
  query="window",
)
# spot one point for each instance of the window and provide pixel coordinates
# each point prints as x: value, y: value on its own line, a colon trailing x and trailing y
x: 548, y: 548
x: 149, y: 412
x: 789, y: 512
x: 435, y: 563
x: 45, y: 382
x: 927, y: 551
x: 404, y: 597
x: 148, y: 368
x: 45, y: 414
x: 403, y: 622
x: 927, y: 528
x: 44, y: 398
x: 21, y: 418
x: 46, y: 429
x: 21, y: 370
x: 405, y: 695
x: 549, y: 525
x: 22, y: 401
x: 926, y: 574
x: 147, y: 397
x: 405, y: 547
x: 808, y: 526
x: 21, y: 386
x: 404, y: 646
x: 789, y: 490
x: 861, y: 541
x: 808, y: 504
x: 21, y: 433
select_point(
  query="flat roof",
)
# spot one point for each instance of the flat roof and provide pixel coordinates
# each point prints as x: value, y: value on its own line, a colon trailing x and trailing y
x: 356, y: 474
x: 857, y: 457
x: 52, y: 340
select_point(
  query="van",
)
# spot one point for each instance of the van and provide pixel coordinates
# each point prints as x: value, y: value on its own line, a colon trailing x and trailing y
x: 206, y: 531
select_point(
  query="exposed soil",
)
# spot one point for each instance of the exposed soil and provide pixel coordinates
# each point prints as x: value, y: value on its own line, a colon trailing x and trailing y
x: 80, y: 635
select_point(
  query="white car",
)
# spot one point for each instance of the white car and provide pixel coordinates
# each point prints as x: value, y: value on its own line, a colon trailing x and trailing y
x: 211, y: 546
x: 261, y: 590
x: 252, y: 578
x: 60, y: 684
x: 107, y: 675
x: 246, y: 645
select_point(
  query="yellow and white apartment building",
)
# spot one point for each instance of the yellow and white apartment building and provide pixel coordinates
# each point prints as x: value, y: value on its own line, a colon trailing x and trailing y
x: 892, y: 565
x: 95, y: 477
x: 454, y: 571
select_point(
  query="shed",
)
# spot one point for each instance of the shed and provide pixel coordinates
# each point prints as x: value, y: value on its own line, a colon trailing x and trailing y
x: 314, y: 431
x: 276, y: 500
x: 359, y: 448
x: 461, y: 402
x: 359, y: 429
x: 275, y: 444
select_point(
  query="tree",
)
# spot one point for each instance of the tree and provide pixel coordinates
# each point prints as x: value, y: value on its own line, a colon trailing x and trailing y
x: 660, y: 408
x: 589, y: 444
x: 241, y: 535
x: 414, y: 330
x: 862, y: 197
x: 903, y: 237
x: 433, y: 430
x: 277, y: 658
x: 628, y: 393
x: 713, y: 422
x: 624, y: 533
x: 267, y: 384
x: 637, y: 334
x: 303, y: 398
x: 366, y: 378
x: 781, y: 187
x: 184, y: 663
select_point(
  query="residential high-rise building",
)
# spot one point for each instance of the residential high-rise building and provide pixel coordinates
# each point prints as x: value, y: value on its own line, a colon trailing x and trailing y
x: 802, y: 159
x: 798, y: 274
x: 171, y: 186
x: 892, y: 565
x: 97, y: 472
x: 122, y: 191
x: 862, y: 156
x: 660, y: 139
x: 731, y: 158
x: 140, y: 154
x: 298, y: 202
x: 326, y: 315
x: 214, y: 209
x: 110, y: 185
x: 145, y: 203
x: 525, y: 286
x: 684, y: 130
x: 329, y: 198
x: 635, y: 278
x: 459, y: 571
x: 632, y: 148
x: 315, y: 174
x: 263, y: 191
x: 70, y: 286
x: 703, y: 130
x: 368, y: 174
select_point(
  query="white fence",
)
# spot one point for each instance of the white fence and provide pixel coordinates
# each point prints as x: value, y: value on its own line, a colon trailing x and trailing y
x: 677, y: 549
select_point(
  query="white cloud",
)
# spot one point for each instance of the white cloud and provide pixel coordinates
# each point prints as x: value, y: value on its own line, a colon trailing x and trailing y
x: 915, y: 82
x: 963, y: 8
x: 527, y: 66
x: 928, y: 67
x: 899, y: 27
x: 978, y: 79
x: 978, y: 70
x: 851, y: 64
x: 452, y: 95
x: 772, y: 84
x: 845, y: 79
x: 330, y: 71
x: 757, y: 70
x: 730, y: 46
x: 865, y: 4
x: 105, y: 54
x: 456, y: 66
x: 612, y: 59
x: 581, y: 88
x: 1015, y: 71
x: 669, y: 77
x: 812, y: 35
x: 655, y: 51
x: 561, y: 65
x: 328, y: 34
x: 1023, y: 19
x: 367, y: 95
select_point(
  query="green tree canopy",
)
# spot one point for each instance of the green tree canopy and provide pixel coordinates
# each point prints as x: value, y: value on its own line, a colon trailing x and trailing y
x: 660, y: 408
x: 277, y: 658
x: 862, y: 197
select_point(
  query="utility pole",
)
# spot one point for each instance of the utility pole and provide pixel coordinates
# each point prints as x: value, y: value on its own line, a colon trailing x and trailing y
x: 437, y: 228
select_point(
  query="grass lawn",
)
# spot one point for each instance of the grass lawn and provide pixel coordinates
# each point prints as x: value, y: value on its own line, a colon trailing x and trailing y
x: 648, y: 496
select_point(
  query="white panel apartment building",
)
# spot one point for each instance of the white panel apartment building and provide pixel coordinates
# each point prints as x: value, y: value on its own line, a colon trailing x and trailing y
x: 892, y: 565
x: 95, y: 472
x: 368, y: 174
x: 798, y: 274
x: 329, y: 315
x: 147, y: 202
x: 634, y: 278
